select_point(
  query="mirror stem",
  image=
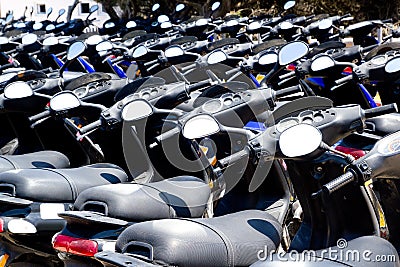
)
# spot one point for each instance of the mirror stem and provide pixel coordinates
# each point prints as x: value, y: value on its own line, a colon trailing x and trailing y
x: 349, y: 158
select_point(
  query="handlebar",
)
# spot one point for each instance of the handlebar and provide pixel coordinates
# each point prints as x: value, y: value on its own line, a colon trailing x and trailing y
x: 90, y: 127
x: 288, y: 91
x: 287, y: 75
x: 344, y: 80
x: 335, y: 184
x: 198, y: 85
x: 168, y: 134
x: 39, y: 116
x: 234, y: 157
x: 232, y: 71
x: 382, y: 110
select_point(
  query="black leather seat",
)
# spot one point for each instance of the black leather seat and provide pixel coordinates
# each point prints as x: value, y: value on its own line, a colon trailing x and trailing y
x: 182, y: 196
x: 371, y: 251
x: 230, y: 240
x: 384, y: 125
x: 42, y: 159
x: 58, y: 185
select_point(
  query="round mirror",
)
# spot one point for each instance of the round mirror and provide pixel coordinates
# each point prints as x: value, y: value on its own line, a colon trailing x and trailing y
x: 322, y: 62
x: 109, y: 24
x: 286, y: 25
x: 3, y: 40
x: 94, y: 8
x: 64, y: 100
x: 155, y: 7
x: 215, y: 6
x: 179, y: 7
x: 232, y: 23
x: 139, y: 51
x: 325, y: 24
x: 201, y: 22
x: 9, y: 18
x: 17, y: 90
x: 268, y: 58
x: 174, y: 51
x: 136, y: 110
x: 200, y: 126
x: 50, y: 27
x: 216, y: 57
x: 162, y: 18
x: 104, y: 46
x: 254, y: 25
x: 29, y: 39
x: 131, y: 24
x: 393, y: 65
x: 289, y: 4
x: 49, y: 11
x: 19, y: 25
x: 52, y: 40
x: 94, y: 40
x: 75, y: 50
x: 291, y: 52
x: 37, y: 26
x: 166, y: 25
x: 300, y: 140
x: 61, y: 12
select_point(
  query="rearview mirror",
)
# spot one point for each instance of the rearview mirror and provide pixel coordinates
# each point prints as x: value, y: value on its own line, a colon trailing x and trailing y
x: 94, y: 8
x: 200, y: 126
x: 64, y: 100
x: 215, y: 6
x: 289, y: 4
x: 104, y: 46
x: 136, y: 110
x: 300, y: 140
x: 50, y: 27
x: 94, y: 39
x: 393, y: 65
x: 75, y: 50
x: 201, y: 22
x: 291, y: 52
x: 52, y: 40
x: 17, y: 90
x: 155, y: 7
x: 61, y: 12
x: 162, y: 18
x: 179, y: 7
x: 232, y: 23
x: 131, y: 71
x: 37, y: 26
x: 174, y: 51
x: 139, y: 51
x: 49, y: 11
x: 325, y: 24
x: 322, y: 62
x: 166, y: 25
x: 268, y: 58
x: 9, y: 18
x: 216, y: 57
x: 254, y: 25
x: 29, y: 39
x: 130, y: 24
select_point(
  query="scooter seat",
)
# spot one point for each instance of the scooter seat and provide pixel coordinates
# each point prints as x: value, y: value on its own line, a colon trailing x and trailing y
x: 58, y: 185
x: 384, y: 125
x: 182, y: 196
x: 230, y: 240
x: 362, y: 251
x: 42, y: 159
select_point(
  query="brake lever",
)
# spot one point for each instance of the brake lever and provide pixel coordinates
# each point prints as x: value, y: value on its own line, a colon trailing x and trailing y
x: 80, y: 136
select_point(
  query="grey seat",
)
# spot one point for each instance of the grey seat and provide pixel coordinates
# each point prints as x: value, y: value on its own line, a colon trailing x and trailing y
x: 42, y: 159
x: 230, y: 240
x: 372, y: 246
x: 182, y: 196
x: 58, y: 185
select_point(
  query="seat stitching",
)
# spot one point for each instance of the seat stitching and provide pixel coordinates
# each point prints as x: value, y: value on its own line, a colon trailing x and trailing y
x: 225, y: 239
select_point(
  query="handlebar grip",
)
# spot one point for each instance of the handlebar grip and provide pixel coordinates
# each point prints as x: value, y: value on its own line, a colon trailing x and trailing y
x: 90, y: 126
x: 387, y: 20
x: 335, y: 184
x: 310, y: 17
x: 287, y: 75
x: 39, y: 116
x: 345, y: 16
x: 234, y: 157
x: 368, y: 48
x: 168, y: 134
x: 232, y: 71
x: 344, y: 80
x: 288, y: 91
x: 382, y: 110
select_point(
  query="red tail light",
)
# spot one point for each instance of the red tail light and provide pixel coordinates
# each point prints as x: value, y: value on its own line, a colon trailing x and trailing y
x: 1, y: 225
x: 357, y: 153
x: 73, y: 245
x: 348, y: 70
x: 291, y: 67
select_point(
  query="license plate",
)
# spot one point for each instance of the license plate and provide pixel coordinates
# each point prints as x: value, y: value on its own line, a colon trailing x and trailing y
x: 50, y: 210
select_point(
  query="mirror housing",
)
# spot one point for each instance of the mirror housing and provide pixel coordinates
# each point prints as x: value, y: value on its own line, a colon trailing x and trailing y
x: 174, y: 51
x: 216, y: 56
x: 393, y: 65
x: 18, y: 89
x: 200, y: 126
x: 136, y: 110
x: 300, y: 140
x: 291, y: 52
x: 322, y: 62
x: 64, y: 100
